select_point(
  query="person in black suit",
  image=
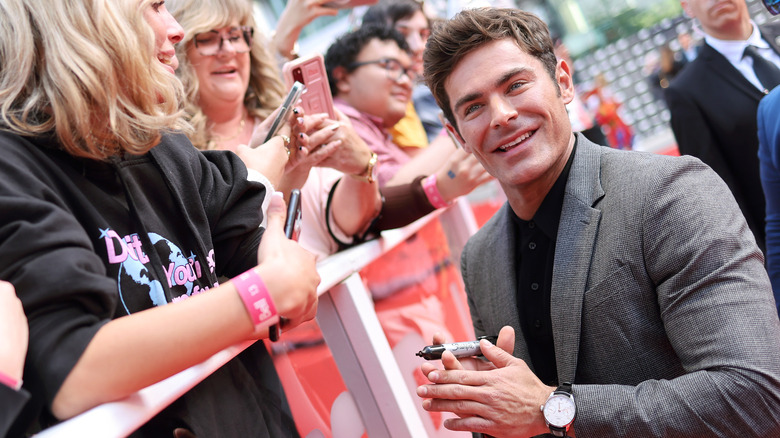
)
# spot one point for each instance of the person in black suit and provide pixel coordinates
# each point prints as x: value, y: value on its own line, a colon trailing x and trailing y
x: 713, y: 101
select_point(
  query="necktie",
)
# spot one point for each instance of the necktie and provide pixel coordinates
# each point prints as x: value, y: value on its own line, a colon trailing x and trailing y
x: 767, y: 72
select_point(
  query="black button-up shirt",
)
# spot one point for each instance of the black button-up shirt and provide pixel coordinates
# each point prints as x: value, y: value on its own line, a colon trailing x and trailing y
x: 535, y: 258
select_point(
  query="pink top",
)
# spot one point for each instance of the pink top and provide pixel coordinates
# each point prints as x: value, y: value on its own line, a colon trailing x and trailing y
x: 314, y: 197
x: 371, y: 129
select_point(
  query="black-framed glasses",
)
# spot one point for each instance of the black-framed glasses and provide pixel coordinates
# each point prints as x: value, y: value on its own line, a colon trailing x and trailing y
x: 211, y: 42
x: 393, y: 67
x: 773, y: 6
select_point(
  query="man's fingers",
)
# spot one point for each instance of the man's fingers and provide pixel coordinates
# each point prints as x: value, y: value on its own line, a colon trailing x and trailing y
x: 506, y: 339
x: 461, y: 377
x: 438, y: 338
x: 450, y: 362
x: 463, y: 407
x: 497, y: 356
x: 469, y: 423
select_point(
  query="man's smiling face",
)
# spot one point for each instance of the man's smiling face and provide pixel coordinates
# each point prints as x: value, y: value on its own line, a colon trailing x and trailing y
x: 510, y: 113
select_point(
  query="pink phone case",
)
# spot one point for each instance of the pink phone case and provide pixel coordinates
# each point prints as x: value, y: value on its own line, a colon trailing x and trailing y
x: 311, y: 73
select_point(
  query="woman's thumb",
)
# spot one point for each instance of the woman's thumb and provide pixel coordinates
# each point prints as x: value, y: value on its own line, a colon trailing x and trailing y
x: 277, y: 212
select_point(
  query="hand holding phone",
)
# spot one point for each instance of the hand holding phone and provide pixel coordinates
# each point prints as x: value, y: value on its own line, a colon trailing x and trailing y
x: 296, y: 90
x: 292, y: 229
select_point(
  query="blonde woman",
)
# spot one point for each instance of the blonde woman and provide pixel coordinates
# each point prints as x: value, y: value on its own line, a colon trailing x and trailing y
x: 115, y: 229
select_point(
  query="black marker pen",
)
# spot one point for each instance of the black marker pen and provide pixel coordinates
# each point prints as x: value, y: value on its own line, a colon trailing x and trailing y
x: 459, y: 349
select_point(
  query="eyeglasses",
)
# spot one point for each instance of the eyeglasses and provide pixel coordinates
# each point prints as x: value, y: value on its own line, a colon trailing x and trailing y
x: 395, y: 71
x: 211, y: 42
x: 773, y: 6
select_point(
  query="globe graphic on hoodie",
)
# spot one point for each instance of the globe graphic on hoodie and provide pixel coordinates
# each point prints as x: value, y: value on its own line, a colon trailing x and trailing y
x: 137, y: 288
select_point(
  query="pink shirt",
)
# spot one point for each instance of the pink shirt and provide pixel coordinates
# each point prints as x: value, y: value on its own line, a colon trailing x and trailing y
x: 314, y: 198
x: 371, y: 129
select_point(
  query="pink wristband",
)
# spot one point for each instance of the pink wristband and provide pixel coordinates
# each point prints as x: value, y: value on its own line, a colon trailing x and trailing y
x: 257, y: 300
x: 432, y: 192
x: 9, y: 381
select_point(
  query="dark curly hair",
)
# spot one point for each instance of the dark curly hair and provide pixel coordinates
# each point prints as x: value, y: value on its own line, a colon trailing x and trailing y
x: 344, y: 51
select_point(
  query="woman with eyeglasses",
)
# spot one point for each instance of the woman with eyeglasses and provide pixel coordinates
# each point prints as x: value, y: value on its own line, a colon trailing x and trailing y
x: 233, y: 85
x: 116, y: 231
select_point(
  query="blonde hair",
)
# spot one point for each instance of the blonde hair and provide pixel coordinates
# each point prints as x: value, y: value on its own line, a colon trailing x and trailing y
x: 265, y: 91
x: 86, y: 70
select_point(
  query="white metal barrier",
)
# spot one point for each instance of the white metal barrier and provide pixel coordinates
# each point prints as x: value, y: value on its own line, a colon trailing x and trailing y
x: 350, y: 326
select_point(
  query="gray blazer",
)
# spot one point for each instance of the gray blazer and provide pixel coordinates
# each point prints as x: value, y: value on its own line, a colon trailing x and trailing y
x: 662, y: 312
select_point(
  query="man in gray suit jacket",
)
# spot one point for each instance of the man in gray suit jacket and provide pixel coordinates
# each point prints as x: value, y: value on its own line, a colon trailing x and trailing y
x: 629, y: 280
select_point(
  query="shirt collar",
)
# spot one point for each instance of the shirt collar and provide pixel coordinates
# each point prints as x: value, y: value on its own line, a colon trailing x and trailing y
x: 548, y: 215
x: 351, y: 111
x: 734, y: 50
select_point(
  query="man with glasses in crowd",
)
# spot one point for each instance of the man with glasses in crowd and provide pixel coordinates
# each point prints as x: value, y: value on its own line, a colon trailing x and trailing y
x: 369, y: 74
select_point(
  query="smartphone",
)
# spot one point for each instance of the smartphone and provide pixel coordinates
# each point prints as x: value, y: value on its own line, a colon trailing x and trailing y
x: 311, y: 73
x: 292, y: 225
x: 284, y: 113
x: 292, y: 229
x: 344, y: 4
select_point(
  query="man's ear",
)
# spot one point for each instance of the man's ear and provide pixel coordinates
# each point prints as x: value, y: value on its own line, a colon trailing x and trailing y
x: 565, y: 81
x: 686, y: 9
x: 456, y: 137
x: 342, y: 82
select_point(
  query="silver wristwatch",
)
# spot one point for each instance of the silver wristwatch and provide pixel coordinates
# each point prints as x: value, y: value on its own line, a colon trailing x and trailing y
x: 560, y: 410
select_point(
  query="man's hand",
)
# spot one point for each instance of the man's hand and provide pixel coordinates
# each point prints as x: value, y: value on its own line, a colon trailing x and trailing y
x: 500, y: 397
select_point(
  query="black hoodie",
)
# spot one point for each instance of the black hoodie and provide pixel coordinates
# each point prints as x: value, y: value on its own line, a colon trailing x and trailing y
x: 76, y: 238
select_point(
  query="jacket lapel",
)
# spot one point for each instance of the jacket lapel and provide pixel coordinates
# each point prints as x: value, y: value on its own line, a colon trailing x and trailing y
x: 573, y: 253
x: 720, y: 66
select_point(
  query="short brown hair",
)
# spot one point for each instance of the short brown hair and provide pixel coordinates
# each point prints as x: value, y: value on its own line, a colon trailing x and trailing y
x: 453, y: 39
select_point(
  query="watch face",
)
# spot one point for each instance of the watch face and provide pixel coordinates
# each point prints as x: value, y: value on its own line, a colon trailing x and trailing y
x: 559, y: 410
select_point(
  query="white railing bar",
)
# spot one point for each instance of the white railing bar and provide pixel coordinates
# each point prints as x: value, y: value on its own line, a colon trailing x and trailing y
x: 122, y: 417
x: 335, y: 268
x: 366, y: 362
